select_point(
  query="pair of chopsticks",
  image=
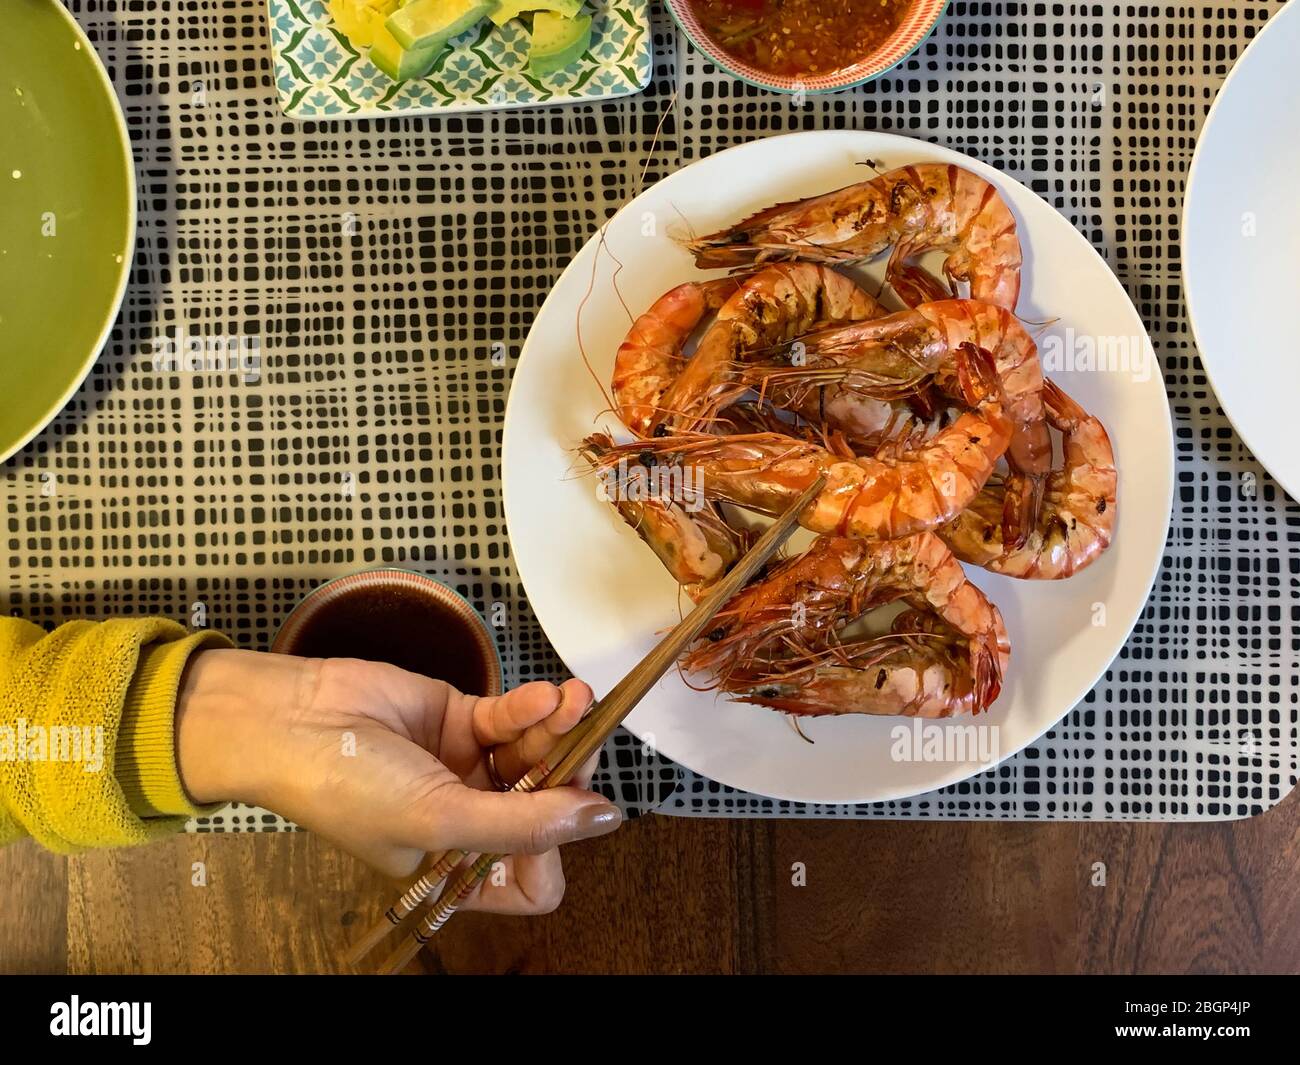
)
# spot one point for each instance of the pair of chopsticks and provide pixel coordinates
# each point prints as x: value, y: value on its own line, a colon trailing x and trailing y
x: 571, y: 751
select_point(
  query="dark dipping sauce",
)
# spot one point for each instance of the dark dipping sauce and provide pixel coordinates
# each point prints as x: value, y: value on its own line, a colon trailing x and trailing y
x: 800, y: 37
x: 402, y: 626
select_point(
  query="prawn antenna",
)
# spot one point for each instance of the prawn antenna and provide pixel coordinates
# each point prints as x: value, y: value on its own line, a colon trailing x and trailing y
x: 654, y: 142
x: 690, y: 237
x: 618, y: 264
x: 582, y: 305
x: 618, y: 269
x: 794, y: 724
x: 1042, y: 326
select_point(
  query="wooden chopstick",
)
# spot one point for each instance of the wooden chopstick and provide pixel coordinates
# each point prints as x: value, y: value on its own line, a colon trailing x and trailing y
x: 570, y: 752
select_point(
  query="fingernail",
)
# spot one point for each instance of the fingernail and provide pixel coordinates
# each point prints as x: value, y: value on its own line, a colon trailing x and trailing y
x: 598, y: 819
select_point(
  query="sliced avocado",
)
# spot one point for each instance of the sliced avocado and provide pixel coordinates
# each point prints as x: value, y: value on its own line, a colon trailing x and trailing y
x: 557, y: 41
x: 402, y: 64
x: 357, y: 19
x: 505, y: 10
x: 420, y: 24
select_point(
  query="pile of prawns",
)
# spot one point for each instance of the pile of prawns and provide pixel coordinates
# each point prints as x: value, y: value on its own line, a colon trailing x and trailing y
x: 933, y: 426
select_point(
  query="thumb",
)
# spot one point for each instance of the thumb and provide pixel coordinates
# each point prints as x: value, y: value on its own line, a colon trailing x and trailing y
x: 514, y: 822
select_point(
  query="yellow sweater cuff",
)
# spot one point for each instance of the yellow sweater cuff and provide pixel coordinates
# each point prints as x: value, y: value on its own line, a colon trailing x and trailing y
x: 146, y: 769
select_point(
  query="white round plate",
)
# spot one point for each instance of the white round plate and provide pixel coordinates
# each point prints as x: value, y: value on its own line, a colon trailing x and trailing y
x: 603, y: 597
x: 1241, y: 232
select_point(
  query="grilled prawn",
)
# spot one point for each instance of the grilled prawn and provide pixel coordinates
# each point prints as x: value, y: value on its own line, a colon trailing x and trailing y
x: 913, y: 209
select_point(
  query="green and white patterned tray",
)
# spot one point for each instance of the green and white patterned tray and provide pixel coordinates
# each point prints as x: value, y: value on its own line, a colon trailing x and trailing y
x: 320, y: 75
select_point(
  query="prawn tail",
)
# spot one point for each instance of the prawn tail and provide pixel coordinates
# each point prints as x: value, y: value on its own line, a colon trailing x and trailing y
x: 911, y: 283
x: 1062, y: 411
x: 1021, y: 505
x: 977, y: 376
x: 986, y: 674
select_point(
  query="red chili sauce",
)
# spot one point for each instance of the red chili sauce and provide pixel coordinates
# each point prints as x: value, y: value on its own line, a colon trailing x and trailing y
x: 799, y: 37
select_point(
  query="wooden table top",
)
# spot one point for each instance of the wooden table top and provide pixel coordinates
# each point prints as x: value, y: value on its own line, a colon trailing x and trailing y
x: 665, y: 895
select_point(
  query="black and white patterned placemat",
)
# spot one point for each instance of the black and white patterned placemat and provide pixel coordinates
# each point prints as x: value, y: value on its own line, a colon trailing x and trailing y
x: 369, y: 286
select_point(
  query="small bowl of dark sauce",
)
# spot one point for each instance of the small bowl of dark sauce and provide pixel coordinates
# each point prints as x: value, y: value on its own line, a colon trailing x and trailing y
x: 400, y: 617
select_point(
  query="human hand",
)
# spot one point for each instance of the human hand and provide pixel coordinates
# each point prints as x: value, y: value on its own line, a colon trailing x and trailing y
x: 390, y: 765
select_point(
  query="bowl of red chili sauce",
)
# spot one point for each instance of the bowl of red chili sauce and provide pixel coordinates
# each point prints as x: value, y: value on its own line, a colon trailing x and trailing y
x: 806, y: 45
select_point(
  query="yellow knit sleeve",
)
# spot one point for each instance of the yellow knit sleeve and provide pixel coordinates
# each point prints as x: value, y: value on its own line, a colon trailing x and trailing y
x: 87, y: 744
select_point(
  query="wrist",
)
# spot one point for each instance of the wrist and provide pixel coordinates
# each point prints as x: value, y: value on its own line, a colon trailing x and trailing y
x: 225, y: 713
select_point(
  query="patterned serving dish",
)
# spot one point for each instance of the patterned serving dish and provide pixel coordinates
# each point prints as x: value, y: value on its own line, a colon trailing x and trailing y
x: 915, y: 27
x: 320, y: 75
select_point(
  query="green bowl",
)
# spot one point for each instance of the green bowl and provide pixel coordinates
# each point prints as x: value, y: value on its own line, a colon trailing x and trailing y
x: 67, y: 213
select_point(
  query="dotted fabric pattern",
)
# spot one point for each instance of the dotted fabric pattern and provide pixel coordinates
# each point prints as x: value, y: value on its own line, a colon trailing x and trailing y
x: 384, y: 275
